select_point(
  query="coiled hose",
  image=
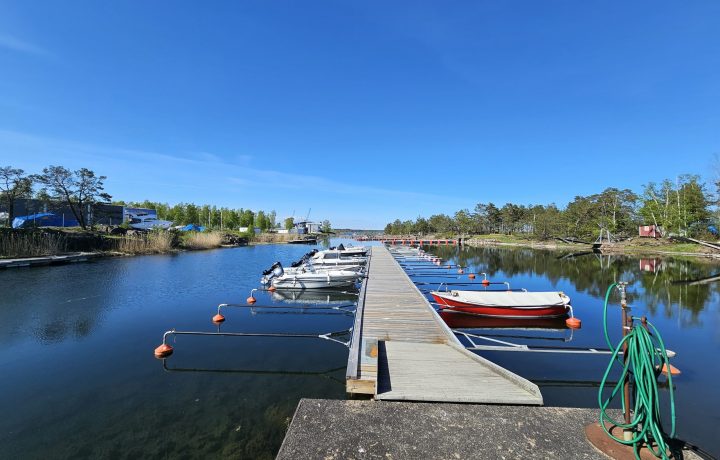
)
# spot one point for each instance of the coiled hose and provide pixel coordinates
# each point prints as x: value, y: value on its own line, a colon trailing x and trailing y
x: 646, y: 355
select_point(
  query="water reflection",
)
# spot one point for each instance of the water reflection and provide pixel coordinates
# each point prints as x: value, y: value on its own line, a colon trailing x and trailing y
x: 315, y: 296
x: 659, y: 284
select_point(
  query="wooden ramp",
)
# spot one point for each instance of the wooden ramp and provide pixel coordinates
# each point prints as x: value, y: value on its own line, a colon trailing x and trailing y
x: 402, y: 350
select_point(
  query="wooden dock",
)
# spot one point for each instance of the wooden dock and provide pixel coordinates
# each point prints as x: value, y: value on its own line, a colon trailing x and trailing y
x: 49, y: 260
x: 402, y: 350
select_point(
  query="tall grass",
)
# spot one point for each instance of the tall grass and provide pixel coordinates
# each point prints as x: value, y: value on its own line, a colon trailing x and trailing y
x: 148, y: 243
x: 276, y: 237
x: 31, y: 244
x: 203, y: 240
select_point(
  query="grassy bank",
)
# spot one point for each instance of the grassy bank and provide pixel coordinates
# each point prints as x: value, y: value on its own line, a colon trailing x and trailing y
x: 209, y: 240
x: 149, y: 243
x: 21, y: 243
x: 13, y: 245
x: 637, y: 245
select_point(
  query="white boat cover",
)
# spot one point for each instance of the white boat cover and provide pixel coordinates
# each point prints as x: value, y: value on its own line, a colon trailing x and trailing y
x: 509, y: 298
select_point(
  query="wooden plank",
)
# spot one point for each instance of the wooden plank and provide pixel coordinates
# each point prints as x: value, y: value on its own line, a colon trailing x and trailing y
x: 354, y: 356
x: 440, y: 372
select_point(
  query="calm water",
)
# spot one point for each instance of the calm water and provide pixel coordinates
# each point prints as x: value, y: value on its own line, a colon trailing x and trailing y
x: 79, y: 379
x: 687, y: 315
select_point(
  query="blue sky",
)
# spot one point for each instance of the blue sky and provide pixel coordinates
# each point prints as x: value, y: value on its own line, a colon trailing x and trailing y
x: 363, y: 111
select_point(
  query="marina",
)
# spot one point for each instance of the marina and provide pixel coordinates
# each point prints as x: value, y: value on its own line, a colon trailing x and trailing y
x: 359, y: 230
x: 274, y: 351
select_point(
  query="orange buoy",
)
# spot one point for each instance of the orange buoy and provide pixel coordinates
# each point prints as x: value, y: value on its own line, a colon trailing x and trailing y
x: 573, y: 323
x: 673, y: 370
x: 163, y: 350
x: 218, y: 318
x: 471, y: 276
x: 272, y: 289
x: 251, y: 299
x: 485, y: 282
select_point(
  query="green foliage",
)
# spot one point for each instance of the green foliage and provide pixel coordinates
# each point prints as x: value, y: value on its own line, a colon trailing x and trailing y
x: 682, y: 206
x: 289, y: 223
x: 209, y: 216
x: 677, y: 207
x: 14, y: 184
x: 325, y: 227
x: 76, y: 188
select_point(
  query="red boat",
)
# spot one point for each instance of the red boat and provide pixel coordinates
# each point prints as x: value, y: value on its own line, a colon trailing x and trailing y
x: 505, y: 304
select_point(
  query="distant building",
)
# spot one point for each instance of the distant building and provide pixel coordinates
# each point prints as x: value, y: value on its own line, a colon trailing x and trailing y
x: 39, y: 213
x: 56, y: 213
x: 245, y: 229
x: 650, y: 231
x: 302, y: 227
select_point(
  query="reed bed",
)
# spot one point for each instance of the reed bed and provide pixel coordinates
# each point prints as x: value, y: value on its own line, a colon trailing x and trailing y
x: 203, y: 240
x: 149, y: 243
x: 276, y: 237
x: 31, y: 244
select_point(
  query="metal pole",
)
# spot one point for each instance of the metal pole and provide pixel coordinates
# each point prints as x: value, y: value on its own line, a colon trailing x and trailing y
x: 626, y: 327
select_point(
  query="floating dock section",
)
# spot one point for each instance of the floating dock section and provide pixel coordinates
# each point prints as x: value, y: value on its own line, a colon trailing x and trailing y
x: 403, y: 351
x: 49, y: 260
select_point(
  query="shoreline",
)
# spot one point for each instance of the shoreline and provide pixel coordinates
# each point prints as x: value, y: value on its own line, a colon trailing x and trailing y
x: 85, y: 256
x: 608, y: 249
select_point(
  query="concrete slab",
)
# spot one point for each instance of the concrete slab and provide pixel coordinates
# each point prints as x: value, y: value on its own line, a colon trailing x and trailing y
x: 334, y: 429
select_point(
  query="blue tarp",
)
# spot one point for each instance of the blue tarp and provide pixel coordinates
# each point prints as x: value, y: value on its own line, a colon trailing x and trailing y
x: 193, y: 228
x: 44, y: 219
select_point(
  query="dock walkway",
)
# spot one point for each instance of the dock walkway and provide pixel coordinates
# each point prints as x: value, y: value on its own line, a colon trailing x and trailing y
x: 49, y: 260
x: 403, y: 351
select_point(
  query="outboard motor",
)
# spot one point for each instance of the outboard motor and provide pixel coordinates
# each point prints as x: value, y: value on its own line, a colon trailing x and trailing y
x: 272, y: 272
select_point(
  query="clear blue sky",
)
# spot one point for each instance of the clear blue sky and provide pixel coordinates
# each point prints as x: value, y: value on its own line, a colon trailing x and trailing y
x: 363, y: 111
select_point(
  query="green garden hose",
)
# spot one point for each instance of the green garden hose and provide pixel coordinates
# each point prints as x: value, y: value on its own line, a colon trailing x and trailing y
x: 646, y: 354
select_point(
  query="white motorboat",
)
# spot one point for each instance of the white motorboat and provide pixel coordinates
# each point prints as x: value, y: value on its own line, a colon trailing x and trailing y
x: 317, y: 280
x: 310, y: 268
x: 351, y: 251
x: 335, y: 258
x: 304, y: 278
x: 277, y: 270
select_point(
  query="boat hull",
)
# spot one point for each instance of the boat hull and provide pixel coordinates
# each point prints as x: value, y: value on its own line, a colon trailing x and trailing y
x: 461, y: 320
x: 527, y: 312
x: 317, y: 283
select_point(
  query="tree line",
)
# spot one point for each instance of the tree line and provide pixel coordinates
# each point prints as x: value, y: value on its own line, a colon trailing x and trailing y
x: 80, y: 188
x: 209, y: 216
x: 680, y: 207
